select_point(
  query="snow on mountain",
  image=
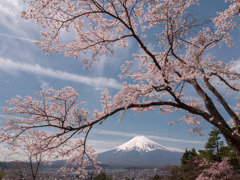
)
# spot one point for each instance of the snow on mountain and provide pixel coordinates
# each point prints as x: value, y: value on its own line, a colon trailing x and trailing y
x: 140, y: 143
x: 140, y: 151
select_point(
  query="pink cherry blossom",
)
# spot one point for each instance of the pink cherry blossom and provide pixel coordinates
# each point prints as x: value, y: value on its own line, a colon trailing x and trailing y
x: 50, y: 124
x: 217, y: 170
x: 158, y: 77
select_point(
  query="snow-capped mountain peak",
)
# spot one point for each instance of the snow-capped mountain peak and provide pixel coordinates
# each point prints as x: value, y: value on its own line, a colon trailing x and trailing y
x: 139, y: 152
x: 140, y: 143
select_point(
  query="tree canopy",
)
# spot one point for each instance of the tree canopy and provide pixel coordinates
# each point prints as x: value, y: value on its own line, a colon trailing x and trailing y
x: 181, y: 58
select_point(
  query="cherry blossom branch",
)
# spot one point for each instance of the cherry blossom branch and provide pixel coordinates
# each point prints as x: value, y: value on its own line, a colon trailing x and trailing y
x: 199, y: 112
x: 225, y: 82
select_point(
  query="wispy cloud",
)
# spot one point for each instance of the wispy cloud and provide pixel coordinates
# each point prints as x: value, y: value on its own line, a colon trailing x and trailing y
x: 2, y: 116
x: 44, y: 85
x: 175, y: 140
x: 236, y: 66
x: 97, y: 82
x: 103, y: 145
x: 7, y: 155
x: 16, y: 37
x: 11, y: 7
x: 118, y: 133
x: 113, y: 133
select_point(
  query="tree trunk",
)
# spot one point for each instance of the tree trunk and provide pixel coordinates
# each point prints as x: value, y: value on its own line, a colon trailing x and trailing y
x: 234, y: 142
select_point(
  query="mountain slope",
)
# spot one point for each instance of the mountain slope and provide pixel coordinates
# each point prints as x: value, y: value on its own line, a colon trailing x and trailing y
x: 140, y: 151
x: 140, y: 143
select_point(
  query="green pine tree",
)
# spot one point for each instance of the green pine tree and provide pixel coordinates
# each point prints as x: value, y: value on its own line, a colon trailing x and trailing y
x: 215, y: 150
x: 214, y: 146
x: 188, y: 155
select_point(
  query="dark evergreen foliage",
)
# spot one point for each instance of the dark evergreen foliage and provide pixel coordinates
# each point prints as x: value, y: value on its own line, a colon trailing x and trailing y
x: 156, y: 177
x: 215, y: 150
x: 102, y: 176
x: 188, y: 155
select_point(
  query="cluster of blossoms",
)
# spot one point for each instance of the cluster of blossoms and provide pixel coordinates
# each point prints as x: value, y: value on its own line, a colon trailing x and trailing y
x: 218, y: 170
x: 162, y: 74
x: 50, y: 125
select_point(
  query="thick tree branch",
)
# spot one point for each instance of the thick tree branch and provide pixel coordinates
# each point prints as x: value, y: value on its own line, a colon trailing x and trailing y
x: 217, y: 120
x: 223, y: 102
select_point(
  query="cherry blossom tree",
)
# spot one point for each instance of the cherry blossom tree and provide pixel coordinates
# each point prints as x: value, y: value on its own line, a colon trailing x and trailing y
x: 24, y: 169
x: 218, y: 170
x: 48, y: 129
x: 180, y: 58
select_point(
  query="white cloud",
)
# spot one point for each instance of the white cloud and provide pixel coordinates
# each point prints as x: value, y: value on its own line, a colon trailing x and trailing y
x: 10, y: 13
x: 118, y: 133
x: 44, y: 85
x: 11, y: 7
x: 236, y: 66
x: 103, y: 145
x: 97, y: 82
x: 7, y: 155
x: 175, y: 140
x: 12, y: 25
x: 17, y: 37
x: 2, y: 116
x: 113, y: 133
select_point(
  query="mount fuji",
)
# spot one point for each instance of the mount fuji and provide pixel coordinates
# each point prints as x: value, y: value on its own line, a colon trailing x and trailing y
x: 138, y: 152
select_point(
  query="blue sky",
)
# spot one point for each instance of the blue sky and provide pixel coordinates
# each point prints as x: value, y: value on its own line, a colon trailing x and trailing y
x: 25, y: 69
